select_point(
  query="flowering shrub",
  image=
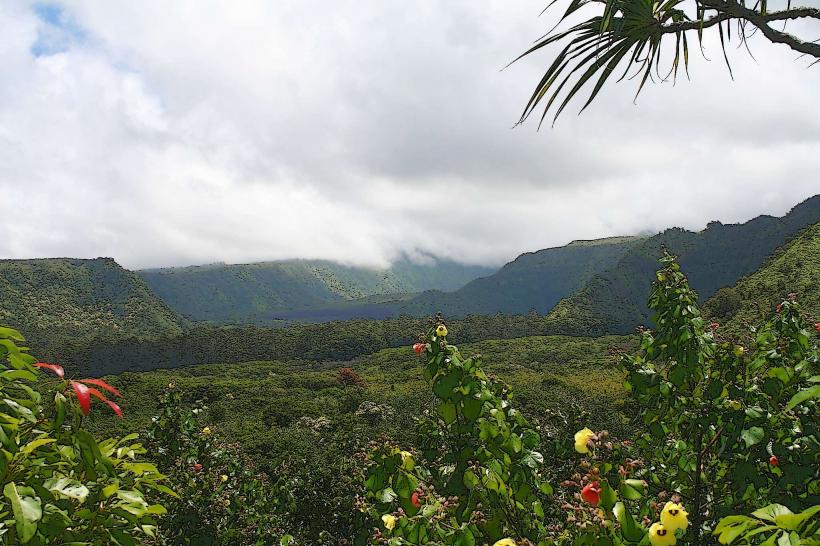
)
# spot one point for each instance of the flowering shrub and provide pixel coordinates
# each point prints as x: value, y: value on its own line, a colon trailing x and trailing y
x: 59, y: 484
x: 477, y: 476
x: 222, y: 499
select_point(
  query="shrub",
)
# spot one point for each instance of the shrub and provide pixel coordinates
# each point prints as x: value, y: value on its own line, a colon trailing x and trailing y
x: 59, y: 484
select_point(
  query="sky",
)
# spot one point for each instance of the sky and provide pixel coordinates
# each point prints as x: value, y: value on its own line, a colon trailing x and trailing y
x: 176, y: 133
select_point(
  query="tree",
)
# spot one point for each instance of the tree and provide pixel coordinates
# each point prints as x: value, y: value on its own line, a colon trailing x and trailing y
x: 629, y: 34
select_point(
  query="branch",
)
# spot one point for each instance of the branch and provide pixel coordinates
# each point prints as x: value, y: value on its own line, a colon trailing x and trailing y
x: 737, y: 11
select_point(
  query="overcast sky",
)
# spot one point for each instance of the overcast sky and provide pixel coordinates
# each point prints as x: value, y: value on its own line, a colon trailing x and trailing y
x: 171, y: 133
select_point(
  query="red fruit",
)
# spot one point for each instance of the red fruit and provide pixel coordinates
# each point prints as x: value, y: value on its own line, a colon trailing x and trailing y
x: 419, y: 348
x: 55, y: 368
x: 414, y: 499
x: 817, y: 326
x: 592, y: 493
x: 774, y: 461
x: 779, y: 307
x: 197, y: 467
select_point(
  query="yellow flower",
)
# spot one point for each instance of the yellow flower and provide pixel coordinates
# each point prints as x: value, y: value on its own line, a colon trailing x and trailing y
x: 674, y: 517
x: 505, y: 542
x: 224, y: 478
x: 389, y: 521
x: 206, y: 431
x: 441, y: 331
x: 582, y: 438
x: 661, y: 536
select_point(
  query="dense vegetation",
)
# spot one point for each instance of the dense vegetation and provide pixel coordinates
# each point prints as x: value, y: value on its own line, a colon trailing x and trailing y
x: 533, y: 281
x: 56, y: 300
x: 261, y: 292
x: 794, y: 269
x: 615, y: 301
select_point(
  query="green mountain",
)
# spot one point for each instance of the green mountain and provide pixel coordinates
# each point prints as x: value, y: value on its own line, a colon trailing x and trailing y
x: 615, y: 301
x: 53, y: 300
x: 794, y: 268
x: 263, y: 291
x: 533, y: 281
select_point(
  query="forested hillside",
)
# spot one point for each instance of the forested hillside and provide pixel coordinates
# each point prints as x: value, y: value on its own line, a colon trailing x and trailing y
x: 794, y: 269
x: 615, y: 301
x: 533, y: 281
x: 260, y: 292
x: 53, y: 300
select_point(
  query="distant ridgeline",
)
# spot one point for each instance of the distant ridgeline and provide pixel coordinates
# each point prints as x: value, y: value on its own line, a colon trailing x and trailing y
x: 315, y: 290
x: 100, y: 318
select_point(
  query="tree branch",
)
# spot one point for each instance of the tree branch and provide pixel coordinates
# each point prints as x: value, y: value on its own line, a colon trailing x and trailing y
x: 737, y: 11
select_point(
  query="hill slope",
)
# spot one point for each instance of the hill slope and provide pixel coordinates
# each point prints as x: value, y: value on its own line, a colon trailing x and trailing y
x: 793, y: 269
x: 533, y: 281
x: 52, y: 300
x: 263, y: 291
x: 615, y: 301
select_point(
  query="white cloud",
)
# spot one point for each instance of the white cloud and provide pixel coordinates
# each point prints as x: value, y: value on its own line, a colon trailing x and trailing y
x: 172, y: 133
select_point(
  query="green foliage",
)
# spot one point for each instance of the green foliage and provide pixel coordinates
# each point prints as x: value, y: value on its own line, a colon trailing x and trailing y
x: 261, y: 292
x: 479, y: 477
x: 771, y: 525
x: 222, y: 498
x: 615, y: 301
x: 59, y: 484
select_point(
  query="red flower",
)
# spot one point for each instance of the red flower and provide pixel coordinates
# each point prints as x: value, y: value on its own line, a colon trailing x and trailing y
x: 774, y: 461
x: 592, y: 493
x: 778, y: 307
x: 419, y: 348
x: 817, y: 326
x: 84, y: 392
x: 414, y: 499
x: 55, y: 368
x: 197, y: 467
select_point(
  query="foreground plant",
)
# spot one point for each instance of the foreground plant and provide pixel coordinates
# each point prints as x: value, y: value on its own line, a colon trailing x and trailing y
x: 478, y: 477
x: 61, y: 486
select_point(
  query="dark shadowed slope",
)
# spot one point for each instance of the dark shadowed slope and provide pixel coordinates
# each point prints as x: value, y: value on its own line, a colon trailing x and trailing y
x: 793, y: 269
x: 533, y: 281
x: 615, y: 301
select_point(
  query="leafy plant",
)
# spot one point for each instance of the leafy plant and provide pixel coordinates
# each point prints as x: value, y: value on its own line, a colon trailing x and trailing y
x: 59, y: 484
x: 771, y: 525
x: 478, y: 476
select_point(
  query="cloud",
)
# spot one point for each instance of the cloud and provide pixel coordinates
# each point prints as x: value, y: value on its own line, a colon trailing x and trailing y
x: 188, y: 132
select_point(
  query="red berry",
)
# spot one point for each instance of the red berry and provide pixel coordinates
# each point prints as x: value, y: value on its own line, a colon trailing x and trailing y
x: 774, y: 461
x: 414, y: 499
x: 419, y: 348
x: 592, y: 493
x: 197, y: 467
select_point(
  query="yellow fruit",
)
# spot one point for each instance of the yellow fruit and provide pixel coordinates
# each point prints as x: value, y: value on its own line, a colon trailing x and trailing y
x: 674, y: 517
x: 505, y: 542
x: 661, y: 536
x: 389, y: 521
x: 441, y: 331
x: 582, y: 438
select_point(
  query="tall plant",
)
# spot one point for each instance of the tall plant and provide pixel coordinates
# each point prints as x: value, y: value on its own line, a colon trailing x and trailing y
x: 477, y: 478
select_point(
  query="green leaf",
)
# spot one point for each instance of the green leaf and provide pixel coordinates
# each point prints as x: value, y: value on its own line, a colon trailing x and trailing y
x: 752, y: 436
x: 68, y: 488
x: 770, y: 512
x: 447, y: 411
x: 27, y: 512
x: 806, y: 394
